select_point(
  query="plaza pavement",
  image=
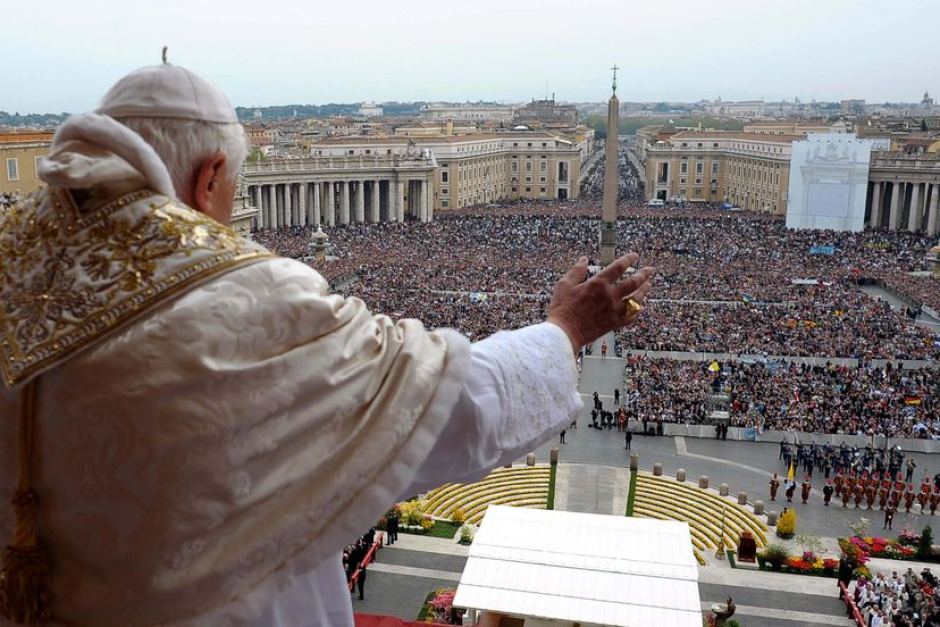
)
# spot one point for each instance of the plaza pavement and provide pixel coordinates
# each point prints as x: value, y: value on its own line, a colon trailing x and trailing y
x: 593, y: 477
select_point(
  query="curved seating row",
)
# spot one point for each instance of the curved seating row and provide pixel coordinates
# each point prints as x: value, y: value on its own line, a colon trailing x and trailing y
x: 525, y: 486
x: 701, y: 509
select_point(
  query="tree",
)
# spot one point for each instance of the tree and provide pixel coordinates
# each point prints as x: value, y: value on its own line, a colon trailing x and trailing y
x: 924, y: 548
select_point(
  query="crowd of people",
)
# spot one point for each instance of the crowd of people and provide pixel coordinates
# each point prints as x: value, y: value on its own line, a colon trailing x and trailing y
x: 629, y: 188
x: 356, y: 558
x: 782, y: 396
x: 719, y: 299
x: 910, y: 600
x: 727, y: 282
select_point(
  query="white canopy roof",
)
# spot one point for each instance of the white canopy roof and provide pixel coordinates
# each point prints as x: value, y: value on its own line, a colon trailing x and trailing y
x: 589, y: 568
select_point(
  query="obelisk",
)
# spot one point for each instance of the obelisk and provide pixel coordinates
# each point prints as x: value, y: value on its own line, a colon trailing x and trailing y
x: 611, y: 178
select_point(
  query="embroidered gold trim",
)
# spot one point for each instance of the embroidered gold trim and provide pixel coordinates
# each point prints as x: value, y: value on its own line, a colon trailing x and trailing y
x: 69, y: 278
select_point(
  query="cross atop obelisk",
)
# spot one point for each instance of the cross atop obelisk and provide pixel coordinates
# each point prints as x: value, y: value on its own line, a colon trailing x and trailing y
x: 608, y: 243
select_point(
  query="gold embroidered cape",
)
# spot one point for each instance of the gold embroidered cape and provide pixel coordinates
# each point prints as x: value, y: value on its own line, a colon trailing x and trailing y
x: 70, y: 277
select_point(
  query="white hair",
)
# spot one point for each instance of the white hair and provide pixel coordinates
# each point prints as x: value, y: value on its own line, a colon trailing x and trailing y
x: 184, y: 144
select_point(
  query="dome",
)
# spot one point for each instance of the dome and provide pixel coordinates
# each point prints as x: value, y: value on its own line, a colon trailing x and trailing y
x: 521, y: 127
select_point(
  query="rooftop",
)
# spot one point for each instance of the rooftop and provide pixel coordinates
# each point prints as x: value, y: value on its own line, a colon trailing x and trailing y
x: 590, y: 568
x: 12, y: 138
x: 736, y: 135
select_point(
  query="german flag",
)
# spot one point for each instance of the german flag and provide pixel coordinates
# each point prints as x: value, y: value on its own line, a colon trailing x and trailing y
x: 910, y: 399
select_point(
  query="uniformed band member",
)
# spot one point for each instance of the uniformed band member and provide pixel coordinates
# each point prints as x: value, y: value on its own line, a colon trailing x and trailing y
x: 827, y: 492
x: 805, y: 490
x: 774, y: 486
x: 791, y: 488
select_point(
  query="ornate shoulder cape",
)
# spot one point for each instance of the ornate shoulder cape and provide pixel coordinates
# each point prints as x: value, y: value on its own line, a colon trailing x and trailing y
x: 71, y: 277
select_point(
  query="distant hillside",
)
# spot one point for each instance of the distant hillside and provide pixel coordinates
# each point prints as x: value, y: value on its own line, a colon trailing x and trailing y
x: 32, y: 119
x: 332, y: 109
x: 629, y: 125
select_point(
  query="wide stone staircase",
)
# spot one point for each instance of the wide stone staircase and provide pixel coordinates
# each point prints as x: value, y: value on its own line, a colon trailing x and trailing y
x: 709, y: 515
x: 519, y: 486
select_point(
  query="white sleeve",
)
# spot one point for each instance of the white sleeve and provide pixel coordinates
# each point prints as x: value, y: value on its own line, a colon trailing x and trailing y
x: 520, y: 391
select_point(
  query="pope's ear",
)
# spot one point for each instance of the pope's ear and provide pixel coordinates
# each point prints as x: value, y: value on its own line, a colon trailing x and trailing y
x: 210, y: 177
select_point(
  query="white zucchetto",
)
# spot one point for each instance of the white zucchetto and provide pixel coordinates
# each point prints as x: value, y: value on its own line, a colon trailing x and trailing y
x: 167, y: 91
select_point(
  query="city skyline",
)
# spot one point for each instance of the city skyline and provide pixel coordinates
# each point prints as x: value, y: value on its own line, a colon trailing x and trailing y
x: 292, y: 53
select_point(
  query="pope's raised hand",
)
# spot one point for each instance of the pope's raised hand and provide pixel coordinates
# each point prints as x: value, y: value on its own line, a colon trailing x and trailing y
x: 586, y: 308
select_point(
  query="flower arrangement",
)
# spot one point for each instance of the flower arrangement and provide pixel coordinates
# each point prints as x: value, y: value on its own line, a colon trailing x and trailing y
x: 909, y: 537
x: 441, y: 608
x: 877, y: 546
x: 807, y: 563
x: 786, y: 526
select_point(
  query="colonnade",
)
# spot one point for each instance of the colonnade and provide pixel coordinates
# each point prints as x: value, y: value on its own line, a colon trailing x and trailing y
x: 328, y: 203
x: 902, y: 205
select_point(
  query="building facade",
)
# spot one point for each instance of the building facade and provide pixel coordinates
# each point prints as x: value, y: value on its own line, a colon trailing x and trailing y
x: 904, y: 192
x: 749, y: 170
x: 483, y: 167
x: 466, y: 111
x: 20, y: 154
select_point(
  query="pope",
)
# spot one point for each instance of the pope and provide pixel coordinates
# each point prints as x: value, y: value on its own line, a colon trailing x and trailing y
x: 192, y: 428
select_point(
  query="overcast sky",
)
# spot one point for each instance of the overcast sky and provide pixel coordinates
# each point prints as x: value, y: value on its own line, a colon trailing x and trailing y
x: 263, y: 52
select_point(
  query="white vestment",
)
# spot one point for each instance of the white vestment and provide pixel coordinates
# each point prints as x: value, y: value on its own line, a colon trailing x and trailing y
x: 212, y: 425
x: 127, y: 430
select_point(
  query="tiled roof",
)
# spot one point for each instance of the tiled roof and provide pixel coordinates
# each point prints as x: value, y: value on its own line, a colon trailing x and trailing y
x: 11, y: 138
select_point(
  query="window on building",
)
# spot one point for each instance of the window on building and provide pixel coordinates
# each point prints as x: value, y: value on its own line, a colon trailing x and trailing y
x: 543, y: 166
x: 444, y: 178
x: 515, y: 166
x: 528, y: 179
x: 542, y: 190
x: 684, y: 167
x: 544, y: 144
x: 682, y: 180
x: 36, y: 162
x: 528, y: 166
x: 714, y: 167
x: 13, y: 169
x: 528, y: 190
x: 699, y: 168
x: 350, y: 151
x: 444, y: 191
x: 444, y: 204
x: 515, y: 189
x: 529, y: 144
x: 698, y: 181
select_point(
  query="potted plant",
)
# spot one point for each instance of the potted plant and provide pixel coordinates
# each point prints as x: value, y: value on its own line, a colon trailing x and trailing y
x: 775, y: 555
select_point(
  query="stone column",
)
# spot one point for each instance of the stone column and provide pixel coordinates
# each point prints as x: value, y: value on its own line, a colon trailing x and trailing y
x: 431, y: 198
x: 376, y: 186
x: 316, y: 204
x: 895, y: 216
x: 360, y: 201
x: 876, y: 204
x: 344, y: 202
x: 915, y: 215
x: 289, y: 204
x: 426, y: 201
x: 271, y: 218
x: 256, y: 199
x: 399, y: 201
x: 330, y: 214
x: 302, y: 204
x: 933, y: 218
